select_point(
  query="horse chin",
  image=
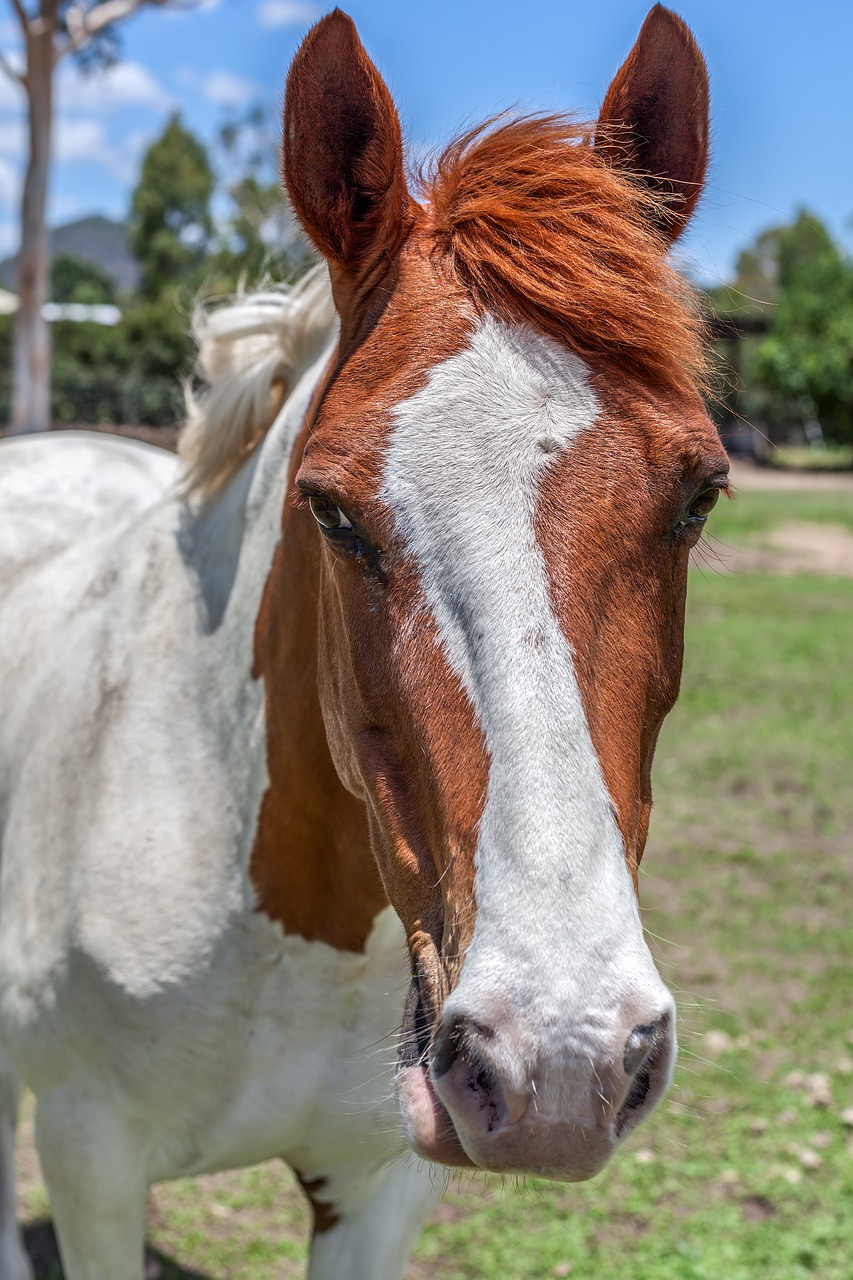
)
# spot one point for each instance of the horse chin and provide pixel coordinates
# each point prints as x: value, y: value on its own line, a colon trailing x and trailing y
x: 426, y: 1122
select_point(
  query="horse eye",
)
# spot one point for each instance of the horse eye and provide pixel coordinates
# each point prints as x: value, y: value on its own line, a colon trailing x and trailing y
x: 703, y: 505
x: 698, y: 511
x: 329, y: 516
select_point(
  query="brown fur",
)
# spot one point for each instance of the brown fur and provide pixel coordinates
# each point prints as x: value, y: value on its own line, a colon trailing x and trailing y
x: 392, y: 703
x: 343, y: 165
x: 310, y: 864
x: 618, y: 577
x: 538, y: 227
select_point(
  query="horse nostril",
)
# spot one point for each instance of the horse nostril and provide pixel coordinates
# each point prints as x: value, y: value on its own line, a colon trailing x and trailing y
x: 639, y: 1045
x: 457, y: 1038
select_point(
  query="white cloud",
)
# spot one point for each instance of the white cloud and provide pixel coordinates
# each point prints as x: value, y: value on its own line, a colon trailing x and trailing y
x: 224, y: 89
x: 187, y: 77
x: 203, y: 6
x: 80, y: 140
x: 287, y: 13
x: 12, y: 138
x: 77, y: 140
x: 126, y: 84
x: 11, y: 94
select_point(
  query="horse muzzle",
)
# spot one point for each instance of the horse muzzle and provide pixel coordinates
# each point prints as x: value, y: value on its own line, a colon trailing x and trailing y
x: 487, y: 1095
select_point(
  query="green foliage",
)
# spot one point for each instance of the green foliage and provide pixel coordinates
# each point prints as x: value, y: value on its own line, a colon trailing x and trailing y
x: 260, y: 238
x: 170, y: 227
x: 254, y: 246
x: 73, y: 280
x: 807, y: 356
x: 132, y: 373
x: 792, y: 302
x: 129, y: 373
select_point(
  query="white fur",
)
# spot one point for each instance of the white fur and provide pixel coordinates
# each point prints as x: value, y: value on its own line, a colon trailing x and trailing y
x: 166, y: 1027
x: 557, y: 951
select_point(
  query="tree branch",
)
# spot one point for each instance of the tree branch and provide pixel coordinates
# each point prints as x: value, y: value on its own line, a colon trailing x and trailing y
x: 84, y: 24
x: 23, y: 16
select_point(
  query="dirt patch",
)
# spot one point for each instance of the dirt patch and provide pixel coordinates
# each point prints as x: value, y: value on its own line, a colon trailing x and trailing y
x: 752, y: 479
x: 798, y: 546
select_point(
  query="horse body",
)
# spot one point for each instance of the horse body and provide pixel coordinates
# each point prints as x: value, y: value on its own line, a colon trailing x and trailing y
x: 412, y: 645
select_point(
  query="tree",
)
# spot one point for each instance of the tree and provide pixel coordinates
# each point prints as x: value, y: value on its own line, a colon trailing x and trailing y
x: 787, y: 326
x: 260, y: 236
x: 73, y: 280
x: 806, y: 359
x: 51, y: 30
x: 170, y: 224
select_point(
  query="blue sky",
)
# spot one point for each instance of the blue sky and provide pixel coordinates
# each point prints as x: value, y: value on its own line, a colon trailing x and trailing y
x: 779, y: 73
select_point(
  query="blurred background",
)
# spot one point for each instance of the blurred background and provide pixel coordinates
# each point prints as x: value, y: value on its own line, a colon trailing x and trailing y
x: 163, y: 182
x: 159, y: 182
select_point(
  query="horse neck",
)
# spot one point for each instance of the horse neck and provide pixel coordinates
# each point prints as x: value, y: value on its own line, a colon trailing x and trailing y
x: 311, y: 863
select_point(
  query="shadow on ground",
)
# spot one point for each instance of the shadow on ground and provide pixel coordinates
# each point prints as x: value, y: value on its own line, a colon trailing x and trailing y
x: 40, y: 1244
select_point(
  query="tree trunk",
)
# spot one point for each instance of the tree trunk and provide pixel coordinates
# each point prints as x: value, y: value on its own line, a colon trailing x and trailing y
x: 31, y: 388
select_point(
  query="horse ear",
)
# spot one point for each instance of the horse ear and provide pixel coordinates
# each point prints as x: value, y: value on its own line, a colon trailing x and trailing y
x: 343, y: 155
x: 654, y: 119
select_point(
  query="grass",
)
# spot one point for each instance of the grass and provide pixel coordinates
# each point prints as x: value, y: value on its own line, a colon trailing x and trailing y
x: 755, y: 514
x: 832, y: 457
x: 747, y: 1170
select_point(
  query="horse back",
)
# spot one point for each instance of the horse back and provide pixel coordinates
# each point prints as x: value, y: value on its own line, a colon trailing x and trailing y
x: 55, y: 489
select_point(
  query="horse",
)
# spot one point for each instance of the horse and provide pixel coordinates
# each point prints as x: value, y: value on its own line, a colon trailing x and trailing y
x: 325, y: 749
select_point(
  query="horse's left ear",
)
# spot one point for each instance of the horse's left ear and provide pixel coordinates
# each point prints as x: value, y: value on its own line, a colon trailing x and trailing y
x: 654, y: 119
x: 343, y: 159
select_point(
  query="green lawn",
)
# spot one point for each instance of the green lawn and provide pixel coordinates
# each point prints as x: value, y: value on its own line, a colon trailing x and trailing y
x: 752, y: 514
x: 746, y: 1173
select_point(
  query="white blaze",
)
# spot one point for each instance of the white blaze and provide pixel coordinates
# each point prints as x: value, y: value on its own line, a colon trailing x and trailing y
x: 557, y: 932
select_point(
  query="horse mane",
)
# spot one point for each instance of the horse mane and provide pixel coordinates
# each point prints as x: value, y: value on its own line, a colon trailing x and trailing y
x: 538, y: 227
x: 251, y: 353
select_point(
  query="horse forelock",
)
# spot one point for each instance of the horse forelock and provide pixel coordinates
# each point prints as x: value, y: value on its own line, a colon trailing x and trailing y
x: 539, y: 227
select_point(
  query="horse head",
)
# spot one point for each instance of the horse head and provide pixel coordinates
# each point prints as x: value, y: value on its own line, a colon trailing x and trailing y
x: 507, y: 465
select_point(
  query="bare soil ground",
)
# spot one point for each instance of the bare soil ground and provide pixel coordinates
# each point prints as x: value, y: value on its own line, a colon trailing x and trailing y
x: 747, y: 477
x: 798, y: 546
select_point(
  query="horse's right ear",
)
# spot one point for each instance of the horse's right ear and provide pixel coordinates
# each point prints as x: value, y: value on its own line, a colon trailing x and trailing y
x: 343, y: 156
